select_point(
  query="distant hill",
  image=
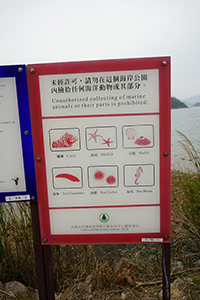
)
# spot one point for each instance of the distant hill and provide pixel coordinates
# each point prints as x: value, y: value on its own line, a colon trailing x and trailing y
x: 175, y: 103
x: 197, y: 104
x: 191, y: 101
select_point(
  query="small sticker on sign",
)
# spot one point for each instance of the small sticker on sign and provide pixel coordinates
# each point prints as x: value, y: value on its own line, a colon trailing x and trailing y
x: 151, y: 240
x: 18, y: 198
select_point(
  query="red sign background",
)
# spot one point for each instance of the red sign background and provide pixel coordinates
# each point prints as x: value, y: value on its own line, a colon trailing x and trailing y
x: 163, y: 65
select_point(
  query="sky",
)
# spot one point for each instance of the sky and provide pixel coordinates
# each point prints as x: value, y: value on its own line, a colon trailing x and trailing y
x: 45, y: 31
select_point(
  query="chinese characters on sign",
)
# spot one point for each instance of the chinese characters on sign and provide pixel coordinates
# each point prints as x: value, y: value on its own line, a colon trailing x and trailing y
x: 96, y: 84
x: 74, y: 94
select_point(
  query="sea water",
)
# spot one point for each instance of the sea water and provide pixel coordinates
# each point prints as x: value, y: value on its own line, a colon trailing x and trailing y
x: 186, y: 120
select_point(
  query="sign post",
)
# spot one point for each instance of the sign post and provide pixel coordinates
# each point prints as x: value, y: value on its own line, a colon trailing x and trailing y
x: 166, y: 270
x: 17, y: 172
x: 43, y: 259
x: 101, y: 134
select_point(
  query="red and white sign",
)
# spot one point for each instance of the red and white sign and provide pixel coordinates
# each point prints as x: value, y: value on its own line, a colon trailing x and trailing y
x: 102, y: 148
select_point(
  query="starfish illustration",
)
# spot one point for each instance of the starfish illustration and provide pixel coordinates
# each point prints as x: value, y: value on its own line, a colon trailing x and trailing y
x: 94, y: 136
x: 107, y: 142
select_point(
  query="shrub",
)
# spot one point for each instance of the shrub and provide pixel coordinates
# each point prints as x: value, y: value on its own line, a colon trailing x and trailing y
x: 189, y: 186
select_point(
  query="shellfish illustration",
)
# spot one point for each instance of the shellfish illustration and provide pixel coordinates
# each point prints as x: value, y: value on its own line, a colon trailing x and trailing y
x: 142, y: 141
x: 131, y: 133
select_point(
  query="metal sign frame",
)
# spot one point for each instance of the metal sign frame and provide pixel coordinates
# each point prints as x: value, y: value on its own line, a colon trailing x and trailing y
x: 30, y: 194
x: 162, y: 64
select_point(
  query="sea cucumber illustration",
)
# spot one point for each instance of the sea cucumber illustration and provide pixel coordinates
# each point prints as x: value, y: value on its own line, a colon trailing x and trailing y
x: 99, y: 175
x: 142, y: 141
x: 68, y: 176
x: 110, y: 179
x: 138, y: 174
x: 131, y: 133
x: 66, y: 140
x: 94, y: 136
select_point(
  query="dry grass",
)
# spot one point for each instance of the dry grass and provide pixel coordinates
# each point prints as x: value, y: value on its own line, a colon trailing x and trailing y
x: 87, y: 271
x: 18, y: 260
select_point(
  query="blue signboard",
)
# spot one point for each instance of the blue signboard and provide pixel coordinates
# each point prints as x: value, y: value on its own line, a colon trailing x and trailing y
x: 17, y: 171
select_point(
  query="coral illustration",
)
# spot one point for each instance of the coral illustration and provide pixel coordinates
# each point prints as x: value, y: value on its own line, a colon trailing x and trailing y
x: 66, y: 140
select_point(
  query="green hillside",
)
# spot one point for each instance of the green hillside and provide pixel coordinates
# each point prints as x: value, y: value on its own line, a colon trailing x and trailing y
x: 175, y: 103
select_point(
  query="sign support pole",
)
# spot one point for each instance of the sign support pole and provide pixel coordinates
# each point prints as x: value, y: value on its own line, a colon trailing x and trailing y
x: 43, y: 260
x: 48, y: 272
x: 166, y: 270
